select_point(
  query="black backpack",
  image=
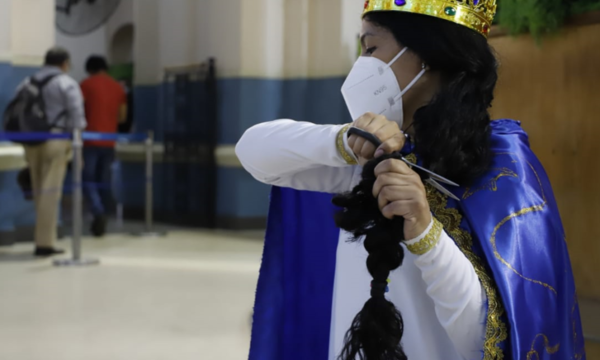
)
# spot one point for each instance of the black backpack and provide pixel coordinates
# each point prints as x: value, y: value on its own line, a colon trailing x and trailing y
x: 27, y: 111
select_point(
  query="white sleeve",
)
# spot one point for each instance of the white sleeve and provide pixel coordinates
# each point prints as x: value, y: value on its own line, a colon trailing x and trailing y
x: 460, y: 300
x: 299, y: 155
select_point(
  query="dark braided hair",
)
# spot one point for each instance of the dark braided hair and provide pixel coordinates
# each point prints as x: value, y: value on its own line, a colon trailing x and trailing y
x: 452, y: 138
x: 377, y: 330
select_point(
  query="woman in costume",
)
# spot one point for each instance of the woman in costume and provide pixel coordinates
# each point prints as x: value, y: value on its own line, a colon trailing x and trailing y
x: 486, y: 273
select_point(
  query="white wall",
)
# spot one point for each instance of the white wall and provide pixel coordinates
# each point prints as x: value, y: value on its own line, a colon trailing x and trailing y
x: 258, y: 38
x: 219, y: 29
x: 26, y: 31
x: 334, y: 25
x: 177, y: 33
x: 301, y: 38
x: 263, y: 38
x: 5, y: 31
x: 186, y: 32
x: 122, y: 16
x: 31, y: 33
x: 351, y: 25
x: 146, y: 50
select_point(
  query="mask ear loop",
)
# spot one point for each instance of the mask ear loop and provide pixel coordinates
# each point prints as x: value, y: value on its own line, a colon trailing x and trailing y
x: 399, y: 97
x: 388, y: 65
x: 410, y: 85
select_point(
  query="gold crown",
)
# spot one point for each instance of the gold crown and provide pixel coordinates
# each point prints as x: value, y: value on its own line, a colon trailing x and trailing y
x: 474, y: 14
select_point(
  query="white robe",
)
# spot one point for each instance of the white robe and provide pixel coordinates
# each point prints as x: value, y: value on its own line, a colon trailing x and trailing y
x: 439, y: 294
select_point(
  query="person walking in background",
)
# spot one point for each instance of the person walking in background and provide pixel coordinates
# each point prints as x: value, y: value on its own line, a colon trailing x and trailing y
x: 105, y: 107
x: 48, y: 161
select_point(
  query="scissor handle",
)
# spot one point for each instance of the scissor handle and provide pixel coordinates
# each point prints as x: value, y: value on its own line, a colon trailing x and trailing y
x: 365, y: 135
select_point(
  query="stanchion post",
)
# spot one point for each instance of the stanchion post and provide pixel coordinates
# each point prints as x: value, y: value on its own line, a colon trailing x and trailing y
x: 77, y: 194
x: 149, y: 181
x: 77, y: 210
x: 120, y: 216
x: 149, y: 203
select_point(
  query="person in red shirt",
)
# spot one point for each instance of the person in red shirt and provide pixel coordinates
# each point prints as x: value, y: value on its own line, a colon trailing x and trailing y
x: 105, y: 107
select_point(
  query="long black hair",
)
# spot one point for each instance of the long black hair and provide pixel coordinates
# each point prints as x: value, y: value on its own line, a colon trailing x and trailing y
x: 452, y: 137
x: 376, y: 331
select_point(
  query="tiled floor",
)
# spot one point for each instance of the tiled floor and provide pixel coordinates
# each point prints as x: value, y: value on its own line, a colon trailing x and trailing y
x: 185, y: 296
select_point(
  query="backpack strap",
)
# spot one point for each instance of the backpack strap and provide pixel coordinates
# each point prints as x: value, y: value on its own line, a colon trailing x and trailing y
x: 41, y: 84
x: 58, y: 118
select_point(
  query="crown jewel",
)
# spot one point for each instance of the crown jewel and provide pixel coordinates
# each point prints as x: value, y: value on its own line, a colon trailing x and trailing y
x: 474, y: 14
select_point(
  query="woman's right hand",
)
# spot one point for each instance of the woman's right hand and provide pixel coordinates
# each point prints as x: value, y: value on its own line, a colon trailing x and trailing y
x: 387, y: 131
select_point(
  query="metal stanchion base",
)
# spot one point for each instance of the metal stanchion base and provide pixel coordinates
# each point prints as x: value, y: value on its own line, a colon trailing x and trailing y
x: 76, y: 263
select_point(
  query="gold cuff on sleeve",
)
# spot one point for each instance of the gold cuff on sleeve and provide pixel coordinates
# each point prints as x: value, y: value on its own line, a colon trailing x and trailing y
x: 350, y: 160
x: 429, y: 241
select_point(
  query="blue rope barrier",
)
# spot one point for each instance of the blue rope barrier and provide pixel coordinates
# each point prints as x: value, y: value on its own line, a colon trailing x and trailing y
x: 18, y: 136
x: 114, y: 137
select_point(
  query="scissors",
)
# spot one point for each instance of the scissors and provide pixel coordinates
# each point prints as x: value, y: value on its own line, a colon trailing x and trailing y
x: 428, y: 176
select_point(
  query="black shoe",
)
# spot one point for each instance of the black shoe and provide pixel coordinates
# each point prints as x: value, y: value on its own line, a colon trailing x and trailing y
x: 47, y: 251
x: 99, y: 226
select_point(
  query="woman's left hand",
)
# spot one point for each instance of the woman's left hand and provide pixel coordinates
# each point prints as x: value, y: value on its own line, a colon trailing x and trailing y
x: 401, y: 192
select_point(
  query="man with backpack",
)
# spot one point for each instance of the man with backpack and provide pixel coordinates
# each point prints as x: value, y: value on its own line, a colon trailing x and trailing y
x: 49, y: 101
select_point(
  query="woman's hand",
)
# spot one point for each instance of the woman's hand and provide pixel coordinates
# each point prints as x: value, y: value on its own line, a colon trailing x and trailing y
x: 400, y: 192
x: 387, y: 131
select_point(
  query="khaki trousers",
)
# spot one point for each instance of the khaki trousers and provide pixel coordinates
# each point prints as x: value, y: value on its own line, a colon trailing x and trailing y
x: 47, y: 164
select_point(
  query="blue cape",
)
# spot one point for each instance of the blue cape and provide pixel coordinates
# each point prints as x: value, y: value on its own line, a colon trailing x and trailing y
x: 507, y: 224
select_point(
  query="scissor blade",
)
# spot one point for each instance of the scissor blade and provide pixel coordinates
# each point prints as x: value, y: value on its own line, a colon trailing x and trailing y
x: 442, y: 189
x: 431, y: 173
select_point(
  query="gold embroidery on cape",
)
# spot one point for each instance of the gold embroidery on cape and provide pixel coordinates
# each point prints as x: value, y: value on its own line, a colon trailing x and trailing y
x: 492, y: 184
x: 496, y: 331
x: 549, y: 349
x: 515, y: 215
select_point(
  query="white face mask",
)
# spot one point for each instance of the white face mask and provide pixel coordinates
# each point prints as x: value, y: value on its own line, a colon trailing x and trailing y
x: 371, y: 86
